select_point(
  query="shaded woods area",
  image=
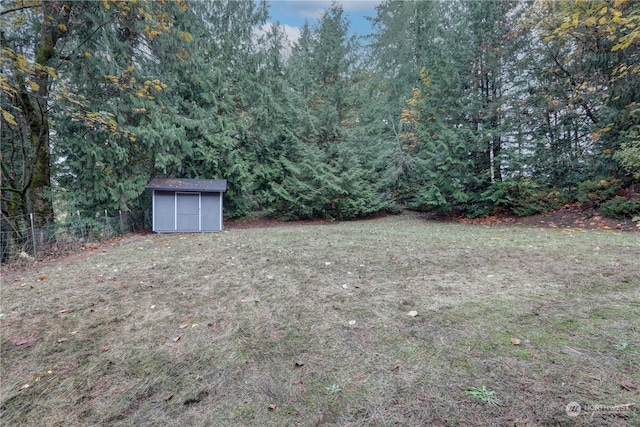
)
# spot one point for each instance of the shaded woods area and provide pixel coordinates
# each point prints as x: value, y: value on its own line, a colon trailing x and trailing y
x: 455, y: 107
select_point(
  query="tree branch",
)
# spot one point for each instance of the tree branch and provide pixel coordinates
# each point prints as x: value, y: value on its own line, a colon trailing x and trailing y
x: 17, y: 9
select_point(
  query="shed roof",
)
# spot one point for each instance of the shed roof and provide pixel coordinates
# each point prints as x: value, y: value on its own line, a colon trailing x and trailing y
x: 185, y: 184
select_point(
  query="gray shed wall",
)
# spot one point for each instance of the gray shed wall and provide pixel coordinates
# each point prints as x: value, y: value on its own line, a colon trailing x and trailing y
x: 175, y: 211
x: 211, y: 211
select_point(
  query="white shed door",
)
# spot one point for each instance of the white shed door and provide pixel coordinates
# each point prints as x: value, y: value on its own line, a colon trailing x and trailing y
x: 188, y: 211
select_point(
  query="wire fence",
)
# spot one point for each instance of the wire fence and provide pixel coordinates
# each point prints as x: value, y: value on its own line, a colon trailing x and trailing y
x: 21, y: 240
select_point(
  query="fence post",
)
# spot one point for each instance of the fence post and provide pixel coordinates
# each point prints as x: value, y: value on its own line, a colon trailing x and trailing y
x: 80, y: 225
x: 33, y: 237
x: 106, y: 224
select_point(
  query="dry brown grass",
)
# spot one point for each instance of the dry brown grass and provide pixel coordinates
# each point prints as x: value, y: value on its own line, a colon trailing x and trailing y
x: 308, y: 326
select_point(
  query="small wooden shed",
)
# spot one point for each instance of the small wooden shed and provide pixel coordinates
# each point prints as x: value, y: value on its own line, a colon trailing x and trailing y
x: 187, y: 205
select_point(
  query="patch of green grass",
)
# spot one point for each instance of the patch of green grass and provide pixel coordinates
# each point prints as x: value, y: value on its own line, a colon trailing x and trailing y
x: 483, y: 394
x: 333, y: 389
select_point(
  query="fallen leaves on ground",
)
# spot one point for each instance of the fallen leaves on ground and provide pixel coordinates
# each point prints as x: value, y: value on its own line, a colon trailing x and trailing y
x: 20, y: 340
x: 627, y: 385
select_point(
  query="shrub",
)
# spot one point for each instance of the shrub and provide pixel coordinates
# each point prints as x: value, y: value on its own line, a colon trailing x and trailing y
x: 527, y: 197
x: 628, y: 155
x: 598, y: 190
x: 620, y: 208
x: 489, y: 201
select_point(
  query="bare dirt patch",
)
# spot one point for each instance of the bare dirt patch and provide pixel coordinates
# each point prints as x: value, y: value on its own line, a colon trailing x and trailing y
x: 569, y: 217
x: 391, y: 321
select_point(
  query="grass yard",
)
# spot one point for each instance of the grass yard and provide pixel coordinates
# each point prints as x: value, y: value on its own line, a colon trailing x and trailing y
x: 395, y: 321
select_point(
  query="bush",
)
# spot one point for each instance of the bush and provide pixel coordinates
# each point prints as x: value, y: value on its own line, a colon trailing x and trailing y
x: 598, y: 190
x: 489, y: 201
x: 620, y: 208
x: 628, y: 155
x: 525, y: 198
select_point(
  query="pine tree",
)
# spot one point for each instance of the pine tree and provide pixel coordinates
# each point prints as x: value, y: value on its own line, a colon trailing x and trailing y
x: 179, y: 100
x: 110, y: 64
x: 326, y: 174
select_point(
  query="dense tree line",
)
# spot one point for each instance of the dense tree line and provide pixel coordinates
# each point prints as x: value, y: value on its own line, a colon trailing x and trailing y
x: 448, y: 105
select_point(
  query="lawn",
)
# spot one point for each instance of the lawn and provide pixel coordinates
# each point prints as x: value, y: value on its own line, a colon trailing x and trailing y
x: 395, y: 321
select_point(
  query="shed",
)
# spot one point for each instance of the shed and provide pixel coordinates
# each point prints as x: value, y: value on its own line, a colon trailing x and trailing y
x: 187, y: 205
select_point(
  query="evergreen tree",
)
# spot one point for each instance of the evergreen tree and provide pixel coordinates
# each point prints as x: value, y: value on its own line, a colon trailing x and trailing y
x: 273, y: 121
x: 216, y: 88
x: 457, y: 103
x: 74, y: 69
x: 110, y: 64
x: 326, y: 176
x: 180, y: 104
x: 453, y: 125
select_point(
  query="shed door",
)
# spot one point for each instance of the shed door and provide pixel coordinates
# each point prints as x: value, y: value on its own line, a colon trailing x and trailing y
x: 188, y: 211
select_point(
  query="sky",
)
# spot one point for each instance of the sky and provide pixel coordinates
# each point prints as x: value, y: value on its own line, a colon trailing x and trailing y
x: 292, y: 14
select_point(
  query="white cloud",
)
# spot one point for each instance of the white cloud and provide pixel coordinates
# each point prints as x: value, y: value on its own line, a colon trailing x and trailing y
x: 312, y: 10
x: 292, y: 33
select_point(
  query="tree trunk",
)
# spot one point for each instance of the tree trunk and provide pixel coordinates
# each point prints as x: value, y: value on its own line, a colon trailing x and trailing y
x: 40, y: 197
